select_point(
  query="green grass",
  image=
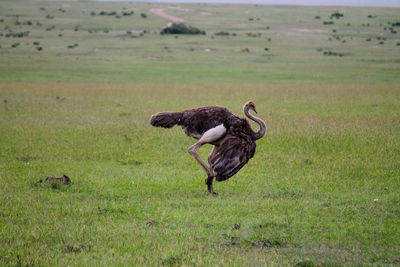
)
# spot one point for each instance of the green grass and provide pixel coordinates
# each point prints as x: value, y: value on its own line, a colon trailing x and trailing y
x: 323, y: 188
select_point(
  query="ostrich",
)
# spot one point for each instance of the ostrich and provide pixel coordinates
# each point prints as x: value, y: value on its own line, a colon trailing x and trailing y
x: 232, y: 137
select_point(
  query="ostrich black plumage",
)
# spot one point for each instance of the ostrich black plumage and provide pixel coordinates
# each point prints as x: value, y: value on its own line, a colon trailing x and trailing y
x: 233, y: 138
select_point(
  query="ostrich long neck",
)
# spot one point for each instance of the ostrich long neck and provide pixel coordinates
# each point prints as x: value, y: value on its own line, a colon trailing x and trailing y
x: 260, y: 122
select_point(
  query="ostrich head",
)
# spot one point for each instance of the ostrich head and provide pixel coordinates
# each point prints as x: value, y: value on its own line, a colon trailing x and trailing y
x: 250, y: 106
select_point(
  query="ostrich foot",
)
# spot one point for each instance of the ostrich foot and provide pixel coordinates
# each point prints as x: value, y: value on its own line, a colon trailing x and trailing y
x: 209, y: 183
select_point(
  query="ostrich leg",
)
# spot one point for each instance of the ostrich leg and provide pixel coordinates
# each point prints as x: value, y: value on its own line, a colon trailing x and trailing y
x: 210, y: 174
x: 209, y: 180
x: 213, y: 151
x: 209, y: 136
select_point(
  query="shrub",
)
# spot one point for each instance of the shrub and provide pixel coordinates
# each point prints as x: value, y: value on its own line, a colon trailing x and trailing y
x: 222, y: 33
x: 72, y: 46
x: 29, y: 23
x: 127, y: 13
x: 17, y: 34
x: 337, y: 15
x: 330, y: 53
x: 250, y: 34
x: 180, y: 28
x: 104, y: 13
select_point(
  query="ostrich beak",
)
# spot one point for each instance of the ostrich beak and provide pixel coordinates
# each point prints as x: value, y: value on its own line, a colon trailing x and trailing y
x: 255, y: 110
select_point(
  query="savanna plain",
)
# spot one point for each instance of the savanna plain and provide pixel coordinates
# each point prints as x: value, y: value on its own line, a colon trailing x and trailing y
x: 79, y: 81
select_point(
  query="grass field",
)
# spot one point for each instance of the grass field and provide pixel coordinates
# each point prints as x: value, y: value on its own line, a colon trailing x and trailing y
x: 322, y: 190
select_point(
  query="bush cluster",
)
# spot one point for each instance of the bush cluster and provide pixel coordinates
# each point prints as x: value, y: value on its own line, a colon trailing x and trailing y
x: 180, y: 28
x: 337, y: 15
x: 222, y: 33
x: 330, y: 53
x: 17, y: 34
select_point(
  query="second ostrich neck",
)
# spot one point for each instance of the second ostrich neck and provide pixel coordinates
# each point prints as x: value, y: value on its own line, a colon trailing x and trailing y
x: 261, y: 132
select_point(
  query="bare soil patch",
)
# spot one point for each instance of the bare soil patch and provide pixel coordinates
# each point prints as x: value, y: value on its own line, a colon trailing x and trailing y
x: 160, y: 12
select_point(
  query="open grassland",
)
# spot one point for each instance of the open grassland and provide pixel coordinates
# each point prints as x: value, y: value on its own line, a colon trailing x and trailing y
x: 322, y: 190
x: 323, y: 186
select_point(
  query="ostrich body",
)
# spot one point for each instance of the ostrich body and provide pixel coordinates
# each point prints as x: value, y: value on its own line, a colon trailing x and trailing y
x: 233, y: 138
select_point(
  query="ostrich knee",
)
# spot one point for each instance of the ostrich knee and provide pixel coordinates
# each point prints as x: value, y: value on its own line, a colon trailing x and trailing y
x: 193, y: 151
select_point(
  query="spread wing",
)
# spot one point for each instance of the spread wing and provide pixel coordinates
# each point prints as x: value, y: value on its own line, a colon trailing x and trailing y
x: 231, y: 155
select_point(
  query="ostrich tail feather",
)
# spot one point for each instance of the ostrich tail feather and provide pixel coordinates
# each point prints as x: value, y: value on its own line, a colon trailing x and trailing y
x: 165, y: 119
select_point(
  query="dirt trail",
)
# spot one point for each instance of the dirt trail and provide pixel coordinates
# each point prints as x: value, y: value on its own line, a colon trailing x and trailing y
x: 160, y: 12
